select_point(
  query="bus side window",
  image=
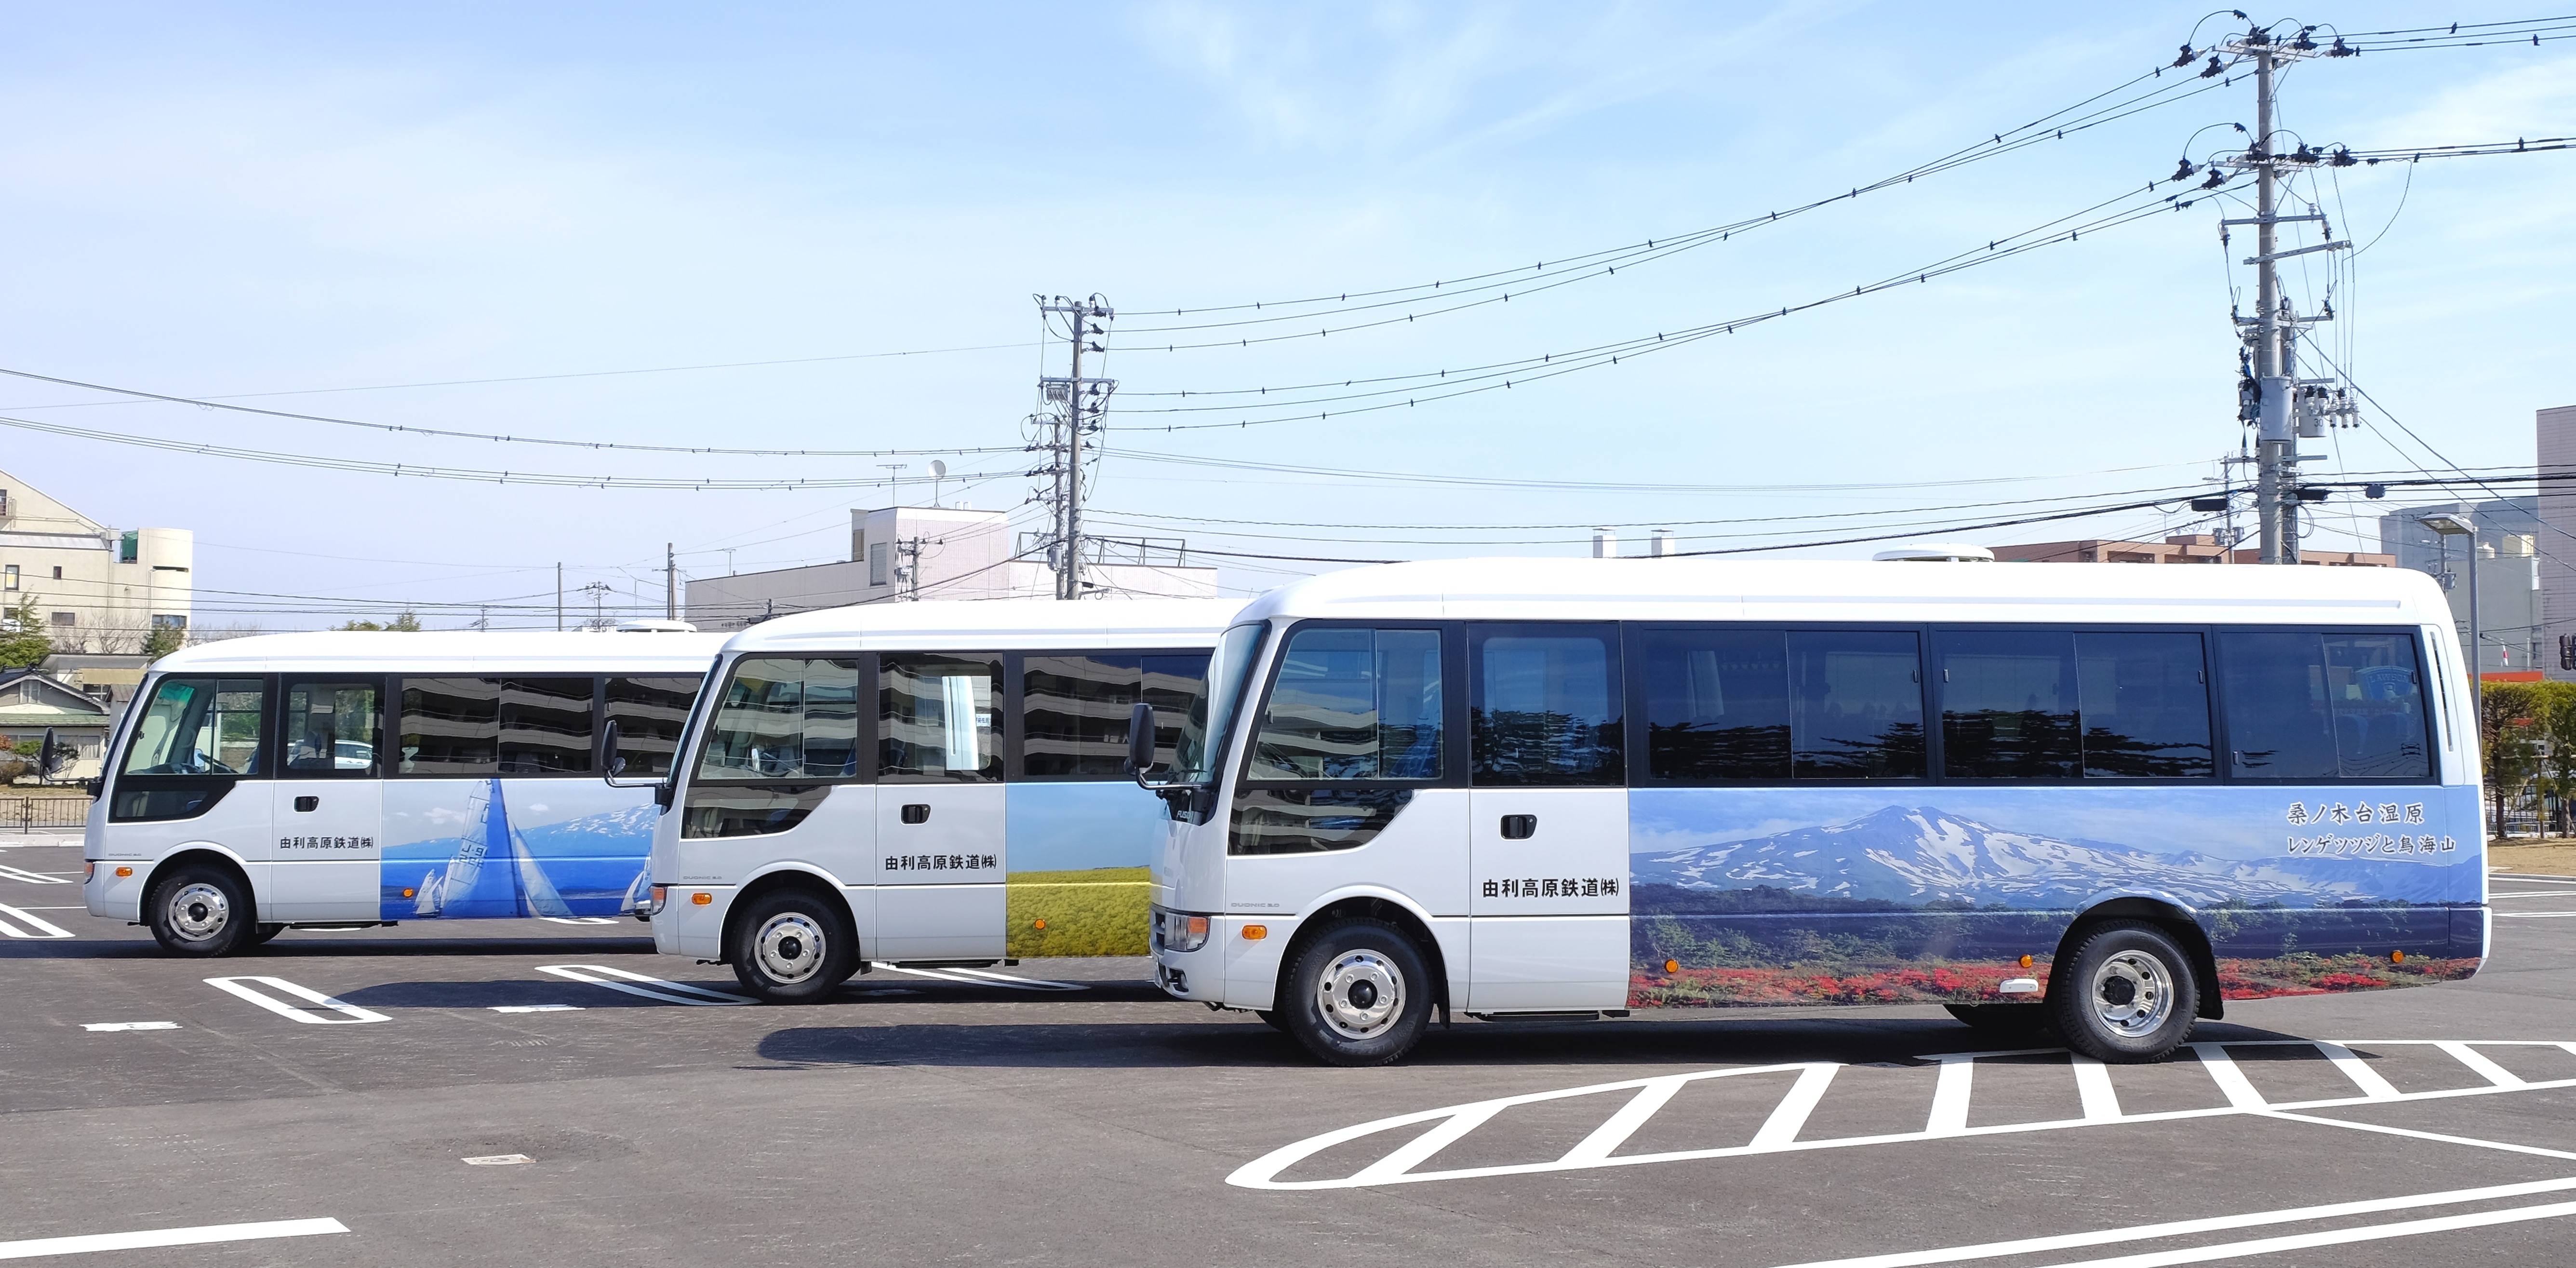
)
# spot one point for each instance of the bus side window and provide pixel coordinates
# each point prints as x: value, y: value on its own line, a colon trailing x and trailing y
x: 1174, y: 685
x: 1857, y: 699
x: 1073, y: 714
x: 936, y: 717
x: 1543, y: 705
x: 1716, y: 704
x: 2278, y: 726
x: 330, y: 728
x: 2145, y: 701
x: 1353, y: 704
x: 650, y: 714
x: 199, y: 726
x: 2377, y: 701
x: 449, y: 726
x: 785, y: 717
x: 545, y: 726
x: 2008, y: 704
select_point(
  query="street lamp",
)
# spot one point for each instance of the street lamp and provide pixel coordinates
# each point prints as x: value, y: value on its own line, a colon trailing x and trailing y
x: 2450, y: 526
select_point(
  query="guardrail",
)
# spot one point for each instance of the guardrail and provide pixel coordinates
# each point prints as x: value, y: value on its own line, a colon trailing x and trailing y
x: 25, y: 814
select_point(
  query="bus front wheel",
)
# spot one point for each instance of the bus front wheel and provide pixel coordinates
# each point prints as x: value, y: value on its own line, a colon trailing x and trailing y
x: 796, y: 948
x: 2128, y: 996
x: 202, y: 911
x: 1360, y: 994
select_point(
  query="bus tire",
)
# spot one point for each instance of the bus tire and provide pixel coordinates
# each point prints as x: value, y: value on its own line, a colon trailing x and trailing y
x: 201, y: 911
x: 2003, y: 1020
x: 264, y: 933
x: 2128, y: 995
x: 1360, y: 994
x: 796, y: 948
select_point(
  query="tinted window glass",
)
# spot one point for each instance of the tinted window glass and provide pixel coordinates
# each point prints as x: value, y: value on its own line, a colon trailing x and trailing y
x: 649, y: 713
x: 1353, y: 704
x: 1073, y: 711
x: 2377, y: 703
x: 2145, y: 701
x: 199, y: 726
x: 936, y: 717
x: 545, y: 726
x: 2008, y: 704
x: 2277, y: 723
x: 1544, y: 704
x: 785, y: 717
x: 450, y: 726
x: 1205, y: 729
x: 330, y: 728
x: 1717, y: 704
x: 1857, y: 704
x: 1176, y: 685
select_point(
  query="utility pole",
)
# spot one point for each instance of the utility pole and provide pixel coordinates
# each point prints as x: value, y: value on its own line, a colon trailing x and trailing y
x: 598, y: 592
x: 559, y: 598
x: 2272, y: 332
x: 670, y: 583
x: 1080, y: 402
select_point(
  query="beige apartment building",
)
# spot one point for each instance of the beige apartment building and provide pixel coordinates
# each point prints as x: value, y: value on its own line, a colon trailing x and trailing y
x: 96, y: 589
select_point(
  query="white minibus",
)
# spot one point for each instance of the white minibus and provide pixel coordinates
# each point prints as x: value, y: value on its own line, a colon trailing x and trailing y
x: 934, y: 785
x: 2095, y: 798
x: 353, y: 778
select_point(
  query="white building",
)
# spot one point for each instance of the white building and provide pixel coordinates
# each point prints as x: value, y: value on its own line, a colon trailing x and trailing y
x: 2556, y: 538
x: 901, y: 553
x: 96, y: 589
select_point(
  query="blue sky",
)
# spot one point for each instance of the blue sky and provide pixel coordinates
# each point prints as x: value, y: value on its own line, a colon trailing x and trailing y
x: 220, y: 200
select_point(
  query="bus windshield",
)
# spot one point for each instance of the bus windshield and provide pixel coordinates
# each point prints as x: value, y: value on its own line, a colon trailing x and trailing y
x: 1202, y: 742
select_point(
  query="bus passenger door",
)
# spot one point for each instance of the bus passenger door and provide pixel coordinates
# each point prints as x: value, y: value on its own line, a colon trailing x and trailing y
x: 328, y: 802
x: 1548, y: 839
x: 939, y: 808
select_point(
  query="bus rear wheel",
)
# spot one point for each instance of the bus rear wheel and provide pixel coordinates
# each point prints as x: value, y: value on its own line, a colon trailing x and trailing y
x: 2128, y: 996
x: 796, y: 948
x: 201, y: 911
x: 1359, y: 995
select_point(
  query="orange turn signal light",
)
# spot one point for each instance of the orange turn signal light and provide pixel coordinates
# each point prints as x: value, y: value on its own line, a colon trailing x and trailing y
x: 1255, y: 933
x: 701, y: 898
x: 406, y: 893
x: 1672, y: 966
x: 2025, y: 962
x: 1037, y: 924
x: 125, y: 871
x: 2396, y: 957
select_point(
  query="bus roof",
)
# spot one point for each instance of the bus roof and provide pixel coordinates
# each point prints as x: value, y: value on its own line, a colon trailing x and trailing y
x: 1847, y: 590
x: 450, y: 651
x: 993, y: 625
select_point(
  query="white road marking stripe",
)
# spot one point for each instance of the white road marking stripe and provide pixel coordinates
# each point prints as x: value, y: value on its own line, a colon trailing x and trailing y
x: 36, y: 926
x: 309, y: 1012
x: 2331, y: 1237
x: 130, y: 1025
x: 1615, y: 1130
x: 1419, y: 1149
x: 1950, y: 1097
x: 2410, y: 1133
x: 2531, y: 893
x: 1034, y: 983
x: 652, y: 988
x: 2476, y: 1060
x: 2184, y: 1228
x: 2231, y: 1081
x: 2533, y: 915
x: 497, y: 1160
x: 975, y: 977
x: 578, y: 920
x: 1790, y: 1115
x: 33, y: 878
x: 2093, y: 1085
x: 198, y: 1236
x: 2359, y: 1071
x: 537, y: 1008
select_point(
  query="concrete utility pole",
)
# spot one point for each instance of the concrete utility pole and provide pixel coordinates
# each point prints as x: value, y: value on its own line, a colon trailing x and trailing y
x: 1080, y: 402
x: 670, y: 583
x: 558, y: 598
x: 2272, y: 332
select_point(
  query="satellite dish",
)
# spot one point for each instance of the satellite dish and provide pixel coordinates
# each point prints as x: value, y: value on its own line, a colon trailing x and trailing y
x: 938, y: 469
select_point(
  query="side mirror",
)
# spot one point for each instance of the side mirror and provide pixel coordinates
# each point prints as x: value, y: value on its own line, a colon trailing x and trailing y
x: 611, y: 765
x: 1140, y: 740
x: 52, y: 757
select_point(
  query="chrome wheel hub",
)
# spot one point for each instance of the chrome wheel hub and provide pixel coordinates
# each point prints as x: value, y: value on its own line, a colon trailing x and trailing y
x: 1360, y: 995
x: 790, y: 947
x: 2132, y: 994
x: 199, y: 911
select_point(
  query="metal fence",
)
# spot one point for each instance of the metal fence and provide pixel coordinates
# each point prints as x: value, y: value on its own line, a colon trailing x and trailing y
x: 23, y: 814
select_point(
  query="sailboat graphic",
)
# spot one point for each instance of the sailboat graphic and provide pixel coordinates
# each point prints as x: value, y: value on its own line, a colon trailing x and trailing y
x: 492, y: 875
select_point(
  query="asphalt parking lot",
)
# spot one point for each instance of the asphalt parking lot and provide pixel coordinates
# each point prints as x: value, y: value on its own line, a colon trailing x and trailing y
x: 442, y: 1094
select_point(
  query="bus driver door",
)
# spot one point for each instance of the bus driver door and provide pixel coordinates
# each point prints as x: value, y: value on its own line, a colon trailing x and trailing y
x: 329, y: 801
x: 1549, y: 818
x: 939, y: 807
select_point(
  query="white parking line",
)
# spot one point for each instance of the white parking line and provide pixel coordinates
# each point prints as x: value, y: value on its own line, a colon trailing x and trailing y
x: 978, y: 977
x: 129, y: 1025
x: 2533, y: 893
x: 2331, y: 1237
x: 8, y: 873
x: 311, y: 1011
x: 11, y: 918
x: 198, y: 1236
x: 2533, y: 915
x: 536, y: 1008
x: 2184, y: 1228
x: 578, y: 920
x: 652, y: 988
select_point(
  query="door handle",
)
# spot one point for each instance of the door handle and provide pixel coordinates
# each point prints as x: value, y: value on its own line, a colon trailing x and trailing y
x: 1519, y: 827
x: 916, y: 812
x: 308, y: 803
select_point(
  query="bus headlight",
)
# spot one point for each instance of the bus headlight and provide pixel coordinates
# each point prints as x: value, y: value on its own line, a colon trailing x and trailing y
x: 651, y: 904
x: 1180, y: 931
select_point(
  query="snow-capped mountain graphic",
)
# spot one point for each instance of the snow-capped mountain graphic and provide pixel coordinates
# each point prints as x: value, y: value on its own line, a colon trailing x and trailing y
x: 1920, y: 854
